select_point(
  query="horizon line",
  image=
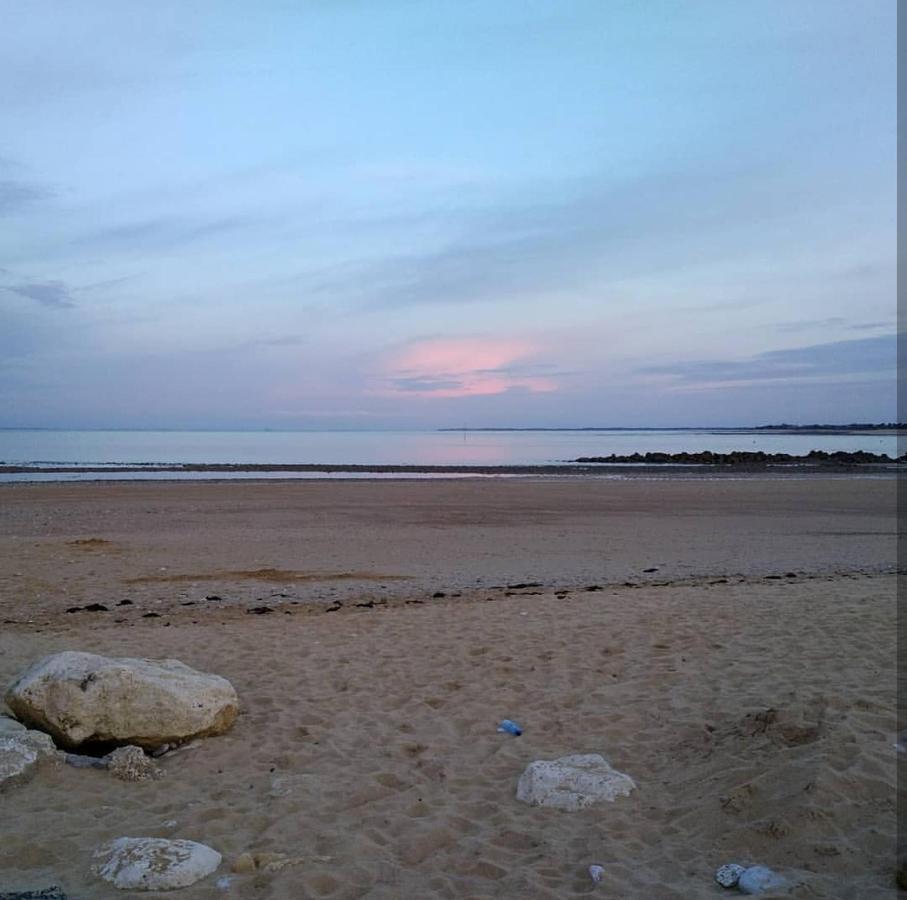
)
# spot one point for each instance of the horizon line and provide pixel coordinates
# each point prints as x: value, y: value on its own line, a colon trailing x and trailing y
x: 893, y: 426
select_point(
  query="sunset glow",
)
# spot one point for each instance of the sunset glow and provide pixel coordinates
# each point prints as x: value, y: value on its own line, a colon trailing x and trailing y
x: 464, y: 367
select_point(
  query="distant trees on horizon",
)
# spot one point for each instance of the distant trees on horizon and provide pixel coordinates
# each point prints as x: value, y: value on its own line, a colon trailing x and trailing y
x: 853, y: 426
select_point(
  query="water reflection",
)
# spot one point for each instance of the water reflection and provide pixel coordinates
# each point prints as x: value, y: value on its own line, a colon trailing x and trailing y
x: 399, y: 447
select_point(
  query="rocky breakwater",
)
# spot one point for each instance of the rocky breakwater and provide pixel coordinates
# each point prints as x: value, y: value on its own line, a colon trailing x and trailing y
x: 84, y: 700
x: 751, y: 458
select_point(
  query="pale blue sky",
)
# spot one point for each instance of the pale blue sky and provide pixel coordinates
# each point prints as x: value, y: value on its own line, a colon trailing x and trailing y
x: 395, y: 213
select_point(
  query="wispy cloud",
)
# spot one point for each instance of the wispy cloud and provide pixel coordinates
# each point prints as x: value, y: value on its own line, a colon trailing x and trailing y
x: 17, y: 195
x: 287, y: 340
x: 838, y: 360
x: 55, y: 294
x: 869, y: 326
x: 425, y: 384
x: 579, y: 233
x: 164, y: 231
x: 810, y: 324
x: 832, y: 322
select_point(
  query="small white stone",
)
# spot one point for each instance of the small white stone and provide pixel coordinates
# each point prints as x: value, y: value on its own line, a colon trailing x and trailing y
x: 728, y: 875
x: 596, y: 873
x: 154, y: 864
x: 759, y: 880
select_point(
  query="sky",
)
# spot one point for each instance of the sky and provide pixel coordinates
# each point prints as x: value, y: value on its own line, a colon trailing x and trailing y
x: 304, y: 214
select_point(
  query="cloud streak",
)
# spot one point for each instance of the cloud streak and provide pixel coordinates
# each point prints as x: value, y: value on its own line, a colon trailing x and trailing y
x: 54, y: 294
x: 18, y: 195
x: 838, y: 360
x: 164, y: 232
x: 584, y: 233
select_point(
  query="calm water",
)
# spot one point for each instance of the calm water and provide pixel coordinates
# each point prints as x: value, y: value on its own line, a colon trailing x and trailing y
x: 395, y: 447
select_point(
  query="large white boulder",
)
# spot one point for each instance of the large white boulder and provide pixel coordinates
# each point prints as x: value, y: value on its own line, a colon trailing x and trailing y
x: 572, y: 782
x: 21, y: 750
x: 154, y: 864
x: 81, y: 697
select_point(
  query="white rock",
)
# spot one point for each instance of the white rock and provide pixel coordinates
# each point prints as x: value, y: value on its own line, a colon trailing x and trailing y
x: 729, y: 874
x: 596, y: 873
x: 760, y: 880
x: 79, y: 697
x: 572, y: 782
x: 154, y: 864
x: 21, y: 750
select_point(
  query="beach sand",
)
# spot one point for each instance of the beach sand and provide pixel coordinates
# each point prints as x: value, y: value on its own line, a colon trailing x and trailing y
x: 747, y: 685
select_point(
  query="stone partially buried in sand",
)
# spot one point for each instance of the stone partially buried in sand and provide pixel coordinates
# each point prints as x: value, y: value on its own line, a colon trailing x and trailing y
x: 82, y: 698
x: 20, y: 751
x: 572, y: 782
x: 154, y: 864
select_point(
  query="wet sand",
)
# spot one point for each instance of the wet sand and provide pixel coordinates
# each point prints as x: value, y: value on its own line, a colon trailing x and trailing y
x: 745, y: 681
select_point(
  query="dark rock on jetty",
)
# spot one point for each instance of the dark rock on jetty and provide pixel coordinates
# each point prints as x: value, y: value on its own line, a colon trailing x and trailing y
x: 749, y: 458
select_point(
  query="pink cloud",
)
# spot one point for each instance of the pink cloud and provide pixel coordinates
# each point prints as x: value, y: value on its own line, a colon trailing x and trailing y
x: 464, y: 367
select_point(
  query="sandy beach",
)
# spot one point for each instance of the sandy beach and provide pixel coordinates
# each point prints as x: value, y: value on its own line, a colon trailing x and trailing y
x: 728, y: 643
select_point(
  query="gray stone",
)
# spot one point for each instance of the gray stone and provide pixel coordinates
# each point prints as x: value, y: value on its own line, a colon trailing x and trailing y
x: 154, y: 864
x: 10, y: 726
x: 78, y: 761
x: 21, y: 751
x: 729, y: 874
x: 572, y: 782
x: 81, y: 697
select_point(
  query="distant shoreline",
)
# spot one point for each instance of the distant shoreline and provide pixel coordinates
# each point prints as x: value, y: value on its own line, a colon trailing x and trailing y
x: 885, y: 428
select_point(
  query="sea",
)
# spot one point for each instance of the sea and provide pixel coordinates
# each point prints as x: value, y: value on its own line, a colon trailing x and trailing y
x: 114, y: 450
